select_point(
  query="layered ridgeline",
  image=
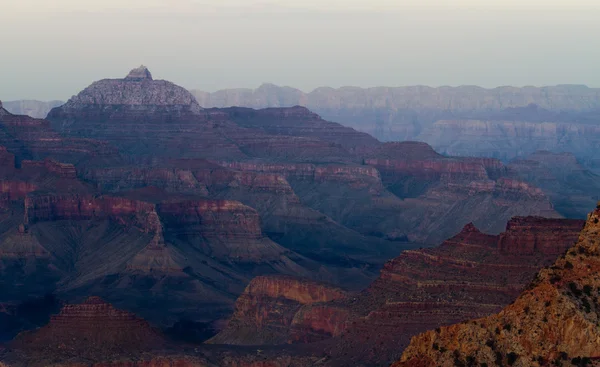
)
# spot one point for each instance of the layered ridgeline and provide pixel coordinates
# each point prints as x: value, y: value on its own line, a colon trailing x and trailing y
x: 349, y: 176
x: 291, y: 322
x: 470, y: 275
x: 503, y: 122
x: 168, y: 209
x: 554, y: 321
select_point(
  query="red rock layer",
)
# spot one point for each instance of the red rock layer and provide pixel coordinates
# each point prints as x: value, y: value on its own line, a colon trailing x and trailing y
x: 81, y: 207
x: 215, y: 217
x: 530, y: 235
x: 357, y: 176
x: 470, y: 275
x: 271, y: 308
x: 554, y: 321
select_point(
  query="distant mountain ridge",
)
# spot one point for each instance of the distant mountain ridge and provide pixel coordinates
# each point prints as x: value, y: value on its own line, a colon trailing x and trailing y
x: 555, y: 98
x: 503, y: 122
x: 32, y: 108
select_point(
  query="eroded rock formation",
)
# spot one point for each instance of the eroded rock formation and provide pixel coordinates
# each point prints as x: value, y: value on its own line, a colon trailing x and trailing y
x: 470, y: 275
x: 553, y: 320
x: 276, y: 310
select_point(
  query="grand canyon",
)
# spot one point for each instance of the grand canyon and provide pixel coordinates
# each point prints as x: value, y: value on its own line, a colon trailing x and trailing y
x: 147, y: 225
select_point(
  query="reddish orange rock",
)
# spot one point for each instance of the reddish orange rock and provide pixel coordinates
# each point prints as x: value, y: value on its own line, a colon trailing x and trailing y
x: 554, y: 320
x: 269, y: 308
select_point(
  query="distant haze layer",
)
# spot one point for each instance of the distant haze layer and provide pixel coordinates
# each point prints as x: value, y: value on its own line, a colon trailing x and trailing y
x: 51, y: 50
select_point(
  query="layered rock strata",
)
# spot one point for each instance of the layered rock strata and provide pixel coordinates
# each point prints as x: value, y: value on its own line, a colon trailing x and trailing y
x: 553, y: 321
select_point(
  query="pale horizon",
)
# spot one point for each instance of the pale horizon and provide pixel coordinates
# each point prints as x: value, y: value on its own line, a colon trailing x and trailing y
x: 51, y: 51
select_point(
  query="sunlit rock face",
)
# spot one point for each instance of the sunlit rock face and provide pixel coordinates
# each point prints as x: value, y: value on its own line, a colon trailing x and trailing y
x: 554, y: 319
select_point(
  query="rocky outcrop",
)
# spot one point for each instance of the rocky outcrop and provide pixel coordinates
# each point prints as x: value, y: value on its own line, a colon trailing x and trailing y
x: 275, y: 310
x: 553, y: 320
x: 145, y: 117
x: 531, y: 235
x: 470, y: 275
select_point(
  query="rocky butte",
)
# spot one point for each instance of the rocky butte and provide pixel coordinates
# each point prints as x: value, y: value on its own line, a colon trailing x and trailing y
x: 553, y: 321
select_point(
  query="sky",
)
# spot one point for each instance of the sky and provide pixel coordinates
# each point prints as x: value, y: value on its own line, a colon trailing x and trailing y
x: 54, y: 49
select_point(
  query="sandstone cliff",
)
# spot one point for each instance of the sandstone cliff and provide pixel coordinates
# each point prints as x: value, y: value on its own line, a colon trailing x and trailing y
x: 553, y: 320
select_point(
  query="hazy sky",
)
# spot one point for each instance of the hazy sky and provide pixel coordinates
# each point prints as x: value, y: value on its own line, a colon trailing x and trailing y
x: 53, y: 49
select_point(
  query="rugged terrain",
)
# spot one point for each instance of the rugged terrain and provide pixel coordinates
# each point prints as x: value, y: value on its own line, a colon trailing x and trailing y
x: 470, y: 275
x: 287, y: 321
x: 134, y: 192
x: 555, y: 320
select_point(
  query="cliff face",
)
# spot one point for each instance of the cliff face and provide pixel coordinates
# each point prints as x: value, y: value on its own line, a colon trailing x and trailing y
x: 554, y: 319
x: 39, y: 208
x: 276, y: 310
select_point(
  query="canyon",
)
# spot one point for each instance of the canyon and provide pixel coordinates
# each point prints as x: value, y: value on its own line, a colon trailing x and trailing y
x: 300, y: 322
x: 470, y: 275
x: 142, y: 222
